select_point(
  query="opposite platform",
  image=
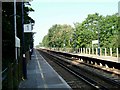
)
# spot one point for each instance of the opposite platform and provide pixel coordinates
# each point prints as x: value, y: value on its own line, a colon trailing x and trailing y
x: 41, y: 75
x: 107, y: 58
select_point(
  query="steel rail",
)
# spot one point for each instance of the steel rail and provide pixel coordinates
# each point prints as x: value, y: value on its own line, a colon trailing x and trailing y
x: 86, y: 79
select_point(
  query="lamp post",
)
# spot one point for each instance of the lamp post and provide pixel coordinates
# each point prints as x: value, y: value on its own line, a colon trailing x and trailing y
x: 98, y: 43
x: 98, y: 31
x: 98, y: 40
x: 23, y: 49
x: 64, y: 44
x: 31, y: 38
x: 74, y: 41
x: 15, y: 28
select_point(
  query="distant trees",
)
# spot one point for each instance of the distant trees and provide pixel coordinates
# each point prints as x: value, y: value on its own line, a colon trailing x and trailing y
x: 94, y: 23
x: 58, y: 36
x: 82, y: 34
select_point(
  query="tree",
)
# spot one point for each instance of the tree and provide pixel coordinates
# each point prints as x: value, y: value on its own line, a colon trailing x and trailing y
x: 88, y: 31
x: 82, y: 35
x: 58, y: 36
x: 85, y: 32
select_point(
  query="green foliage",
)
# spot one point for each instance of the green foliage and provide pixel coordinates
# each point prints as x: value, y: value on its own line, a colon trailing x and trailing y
x: 82, y: 35
x: 45, y: 41
x: 94, y: 23
x: 58, y: 36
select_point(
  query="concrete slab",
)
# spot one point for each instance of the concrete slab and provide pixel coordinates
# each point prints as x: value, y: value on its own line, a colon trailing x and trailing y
x: 41, y: 75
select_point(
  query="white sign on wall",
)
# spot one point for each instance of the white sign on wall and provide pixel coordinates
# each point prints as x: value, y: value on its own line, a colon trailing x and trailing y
x: 95, y: 42
x: 27, y: 28
x: 17, y: 42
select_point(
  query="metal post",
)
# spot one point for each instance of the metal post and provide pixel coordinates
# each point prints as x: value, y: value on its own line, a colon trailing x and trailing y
x: 86, y: 51
x: 0, y: 45
x: 15, y: 29
x: 64, y: 44
x: 89, y: 50
x: 118, y: 32
x: 81, y: 50
x: 117, y: 52
x: 100, y: 51
x: 23, y: 49
x: 92, y: 50
x: 110, y: 51
x: 96, y: 51
x: 105, y: 52
x: 98, y: 41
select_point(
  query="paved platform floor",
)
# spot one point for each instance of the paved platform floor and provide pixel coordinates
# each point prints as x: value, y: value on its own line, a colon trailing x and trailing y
x: 40, y: 75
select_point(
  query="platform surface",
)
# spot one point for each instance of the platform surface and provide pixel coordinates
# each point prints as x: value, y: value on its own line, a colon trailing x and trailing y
x: 107, y: 58
x: 41, y: 75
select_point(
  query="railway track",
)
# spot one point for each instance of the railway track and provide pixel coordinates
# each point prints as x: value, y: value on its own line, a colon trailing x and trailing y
x: 71, y: 79
x: 90, y: 76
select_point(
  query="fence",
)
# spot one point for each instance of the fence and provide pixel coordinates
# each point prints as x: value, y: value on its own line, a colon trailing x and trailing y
x: 92, y: 51
x: 103, y: 51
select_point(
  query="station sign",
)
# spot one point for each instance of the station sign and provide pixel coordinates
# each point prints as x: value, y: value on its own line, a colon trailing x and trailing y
x: 95, y: 42
x: 27, y: 28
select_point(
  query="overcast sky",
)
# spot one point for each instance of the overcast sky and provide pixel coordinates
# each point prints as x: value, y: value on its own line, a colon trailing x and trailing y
x: 50, y: 12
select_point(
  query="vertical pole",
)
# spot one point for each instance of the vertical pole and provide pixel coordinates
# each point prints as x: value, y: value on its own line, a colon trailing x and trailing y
x: 15, y: 29
x: 81, y: 50
x: 110, y: 51
x: 84, y: 50
x: 100, y: 51
x: 117, y: 52
x: 96, y: 51
x: 92, y: 50
x: 105, y: 52
x: 15, y: 17
x: 23, y: 49
x: 89, y: 50
x: 119, y: 32
x: 1, y: 45
x: 98, y: 41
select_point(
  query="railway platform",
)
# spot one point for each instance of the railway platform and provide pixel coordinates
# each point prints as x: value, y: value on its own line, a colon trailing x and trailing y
x: 104, y: 58
x: 107, y: 58
x: 41, y: 76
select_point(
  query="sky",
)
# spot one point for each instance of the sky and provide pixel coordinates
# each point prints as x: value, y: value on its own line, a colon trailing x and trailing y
x: 50, y: 12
